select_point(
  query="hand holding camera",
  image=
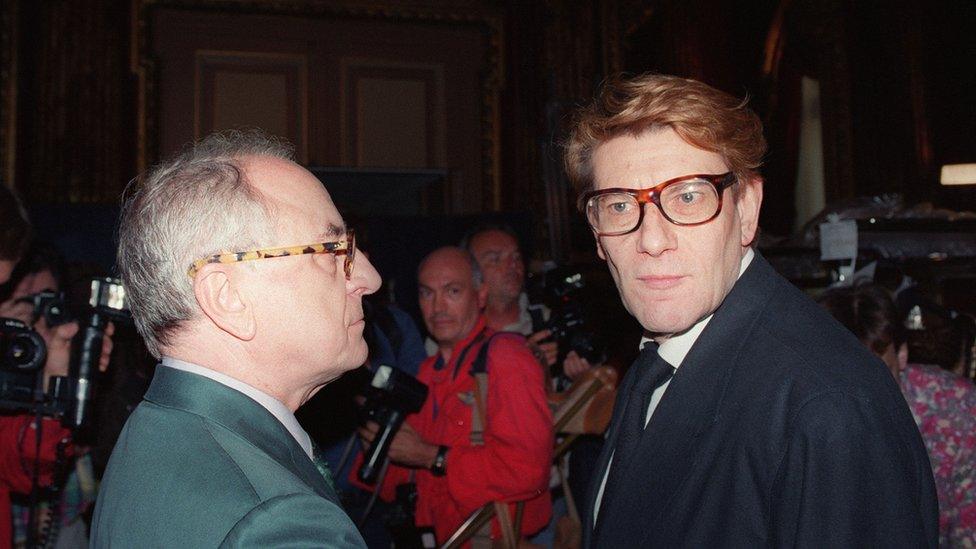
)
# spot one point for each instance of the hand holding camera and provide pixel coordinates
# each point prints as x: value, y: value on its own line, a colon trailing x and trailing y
x: 544, y: 347
x: 406, y: 449
x: 69, y: 350
x: 392, y: 395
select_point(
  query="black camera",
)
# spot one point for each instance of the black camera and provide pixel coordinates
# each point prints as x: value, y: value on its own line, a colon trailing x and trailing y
x: 49, y: 305
x: 24, y: 353
x: 400, y: 522
x: 562, y: 288
x: 392, y: 395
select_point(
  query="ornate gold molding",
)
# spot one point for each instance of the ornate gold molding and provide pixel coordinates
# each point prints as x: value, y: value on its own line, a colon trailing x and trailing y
x: 489, y: 21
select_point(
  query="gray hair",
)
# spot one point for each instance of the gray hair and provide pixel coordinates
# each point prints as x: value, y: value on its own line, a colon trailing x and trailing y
x: 192, y: 206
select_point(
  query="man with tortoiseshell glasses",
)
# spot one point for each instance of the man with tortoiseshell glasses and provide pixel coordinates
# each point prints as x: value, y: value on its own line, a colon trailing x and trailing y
x: 244, y: 281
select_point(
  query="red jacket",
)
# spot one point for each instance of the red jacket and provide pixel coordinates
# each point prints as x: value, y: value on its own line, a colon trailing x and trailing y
x: 17, y: 453
x: 514, y: 462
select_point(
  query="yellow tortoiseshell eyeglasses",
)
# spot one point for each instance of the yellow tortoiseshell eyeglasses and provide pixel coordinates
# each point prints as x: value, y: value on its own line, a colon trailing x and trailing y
x: 345, y: 247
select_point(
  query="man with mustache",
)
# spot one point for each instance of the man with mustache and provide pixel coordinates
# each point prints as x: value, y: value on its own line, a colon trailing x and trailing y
x: 243, y: 280
x: 459, y: 463
x: 751, y: 418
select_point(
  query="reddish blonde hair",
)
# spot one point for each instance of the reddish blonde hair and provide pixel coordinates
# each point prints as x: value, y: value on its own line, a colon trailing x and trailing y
x: 706, y: 118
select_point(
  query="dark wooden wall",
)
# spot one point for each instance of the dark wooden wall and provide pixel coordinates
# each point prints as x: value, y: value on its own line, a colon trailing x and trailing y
x: 73, y: 137
x: 347, y: 91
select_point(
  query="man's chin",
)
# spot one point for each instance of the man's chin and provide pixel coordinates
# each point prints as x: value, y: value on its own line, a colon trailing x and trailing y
x: 357, y: 357
x: 439, y: 336
x: 665, y: 326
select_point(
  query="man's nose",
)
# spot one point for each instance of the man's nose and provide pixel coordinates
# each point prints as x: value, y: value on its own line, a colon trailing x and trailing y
x: 655, y: 235
x: 512, y: 262
x: 439, y: 302
x: 365, y: 279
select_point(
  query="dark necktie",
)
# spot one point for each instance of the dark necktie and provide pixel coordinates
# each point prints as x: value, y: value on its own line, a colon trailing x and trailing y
x: 322, y: 465
x: 652, y: 372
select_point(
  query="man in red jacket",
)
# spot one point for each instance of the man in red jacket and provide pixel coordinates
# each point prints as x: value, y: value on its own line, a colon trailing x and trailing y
x: 456, y: 471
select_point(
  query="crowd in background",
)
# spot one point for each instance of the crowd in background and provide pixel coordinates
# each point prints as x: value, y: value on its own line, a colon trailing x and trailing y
x: 928, y: 348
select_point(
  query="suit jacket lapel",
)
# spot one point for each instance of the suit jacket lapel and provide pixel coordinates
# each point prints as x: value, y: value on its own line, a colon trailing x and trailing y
x: 690, y: 405
x: 239, y: 413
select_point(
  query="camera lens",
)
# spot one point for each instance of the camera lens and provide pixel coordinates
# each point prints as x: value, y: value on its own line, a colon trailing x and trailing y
x: 24, y: 353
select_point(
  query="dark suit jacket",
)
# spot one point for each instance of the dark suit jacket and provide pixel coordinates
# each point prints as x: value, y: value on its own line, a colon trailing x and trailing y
x: 778, y: 429
x: 199, y: 464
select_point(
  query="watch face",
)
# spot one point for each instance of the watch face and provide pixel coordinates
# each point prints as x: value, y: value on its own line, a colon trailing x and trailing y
x: 437, y: 469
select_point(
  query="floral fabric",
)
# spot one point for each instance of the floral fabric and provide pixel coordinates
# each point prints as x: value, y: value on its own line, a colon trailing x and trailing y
x: 944, y: 406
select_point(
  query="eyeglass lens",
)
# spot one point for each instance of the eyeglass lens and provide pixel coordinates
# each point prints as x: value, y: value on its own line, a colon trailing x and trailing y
x: 350, y: 253
x: 685, y: 202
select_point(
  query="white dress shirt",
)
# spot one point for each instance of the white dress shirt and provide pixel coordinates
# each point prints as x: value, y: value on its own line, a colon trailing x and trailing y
x: 673, y: 351
x: 268, y: 402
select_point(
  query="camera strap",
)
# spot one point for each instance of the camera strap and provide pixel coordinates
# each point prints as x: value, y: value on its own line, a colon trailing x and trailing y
x: 464, y: 353
x: 479, y: 419
x: 479, y: 371
x: 479, y: 413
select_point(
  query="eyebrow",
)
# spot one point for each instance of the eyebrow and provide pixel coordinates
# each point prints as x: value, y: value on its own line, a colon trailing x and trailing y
x: 446, y: 286
x: 332, y: 231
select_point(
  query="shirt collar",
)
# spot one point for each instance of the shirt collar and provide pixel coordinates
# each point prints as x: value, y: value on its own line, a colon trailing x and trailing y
x: 676, y: 348
x: 268, y: 402
x: 524, y: 323
x: 478, y: 327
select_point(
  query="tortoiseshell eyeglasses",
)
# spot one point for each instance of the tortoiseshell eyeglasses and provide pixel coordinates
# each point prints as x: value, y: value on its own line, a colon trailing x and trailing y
x: 346, y: 247
x: 686, y: 200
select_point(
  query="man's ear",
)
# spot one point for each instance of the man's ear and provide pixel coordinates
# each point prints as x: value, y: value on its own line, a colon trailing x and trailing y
x: 222, y: 302
x: 748, y: 200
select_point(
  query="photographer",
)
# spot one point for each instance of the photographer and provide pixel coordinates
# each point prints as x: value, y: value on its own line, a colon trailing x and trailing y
x: 497, y: 250
x: 461, y: 463
x: 28, y: 450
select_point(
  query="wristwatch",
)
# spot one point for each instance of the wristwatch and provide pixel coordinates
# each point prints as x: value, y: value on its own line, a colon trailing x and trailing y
x: 439, y: 467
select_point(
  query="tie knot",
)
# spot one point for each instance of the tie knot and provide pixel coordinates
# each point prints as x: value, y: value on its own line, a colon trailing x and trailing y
x: 652, y: 371
x: 650, y: 347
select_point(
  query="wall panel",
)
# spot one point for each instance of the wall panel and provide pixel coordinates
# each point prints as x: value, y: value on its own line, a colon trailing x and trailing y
x: 391, y: 89
x: 392, y: 114
x: 247, y: 89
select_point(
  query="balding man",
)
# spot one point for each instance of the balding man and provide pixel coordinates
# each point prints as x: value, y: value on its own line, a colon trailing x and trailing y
x: 459, y: 467
x: 243, y: 279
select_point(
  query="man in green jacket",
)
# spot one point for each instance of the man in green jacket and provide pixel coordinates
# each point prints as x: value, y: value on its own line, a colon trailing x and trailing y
x: 243, y: 280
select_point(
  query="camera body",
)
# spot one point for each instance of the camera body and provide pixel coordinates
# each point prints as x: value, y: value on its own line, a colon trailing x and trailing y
x: 24, y: 353
x: 22, y: 356
x: 52, y: 306
x: 569, y: 328
x: 562, y: 288
x: 392, y: 395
